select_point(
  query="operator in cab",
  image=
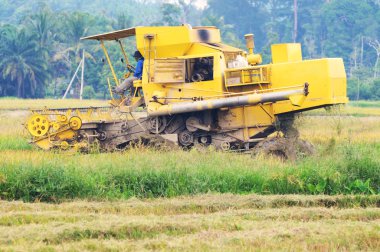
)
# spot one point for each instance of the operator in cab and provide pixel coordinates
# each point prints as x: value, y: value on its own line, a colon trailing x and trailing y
x: 128, y: 83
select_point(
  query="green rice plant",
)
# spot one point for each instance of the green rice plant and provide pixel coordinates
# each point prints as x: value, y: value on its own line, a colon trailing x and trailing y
x: 365, y: 104
x: 14, y: 143
x: 145, y: 173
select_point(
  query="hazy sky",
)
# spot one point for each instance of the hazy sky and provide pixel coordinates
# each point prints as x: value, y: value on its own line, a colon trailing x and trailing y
x: 200, y: 4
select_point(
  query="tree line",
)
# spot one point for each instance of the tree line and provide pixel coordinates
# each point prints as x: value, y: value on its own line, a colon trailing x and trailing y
x: 40, y: 45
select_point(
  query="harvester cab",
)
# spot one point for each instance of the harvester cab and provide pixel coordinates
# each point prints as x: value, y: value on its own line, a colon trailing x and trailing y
x: 120, y: 100
x: 195, y: 90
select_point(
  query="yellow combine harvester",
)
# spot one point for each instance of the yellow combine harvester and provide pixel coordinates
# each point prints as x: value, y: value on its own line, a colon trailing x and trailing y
x: 195, y: 90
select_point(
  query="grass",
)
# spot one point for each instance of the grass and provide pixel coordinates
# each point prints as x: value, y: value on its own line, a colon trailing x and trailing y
x: 146, y: 199
x: 354, y: 108
x: 207, y: 222
x: 365, y: 104
x: 52, y: 177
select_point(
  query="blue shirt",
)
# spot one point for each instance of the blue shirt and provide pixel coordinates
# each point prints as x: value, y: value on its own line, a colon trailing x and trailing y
x: 139, y: 68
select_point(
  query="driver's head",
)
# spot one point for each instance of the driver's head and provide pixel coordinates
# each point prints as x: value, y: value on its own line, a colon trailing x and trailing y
x: 137, y: 55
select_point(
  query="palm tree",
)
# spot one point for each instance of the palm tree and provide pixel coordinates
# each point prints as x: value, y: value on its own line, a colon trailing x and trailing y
x: 123, y: 21
x: 22, y: 63
x: 42, y: 24
x: 68, y: 51
x: 76, y: 26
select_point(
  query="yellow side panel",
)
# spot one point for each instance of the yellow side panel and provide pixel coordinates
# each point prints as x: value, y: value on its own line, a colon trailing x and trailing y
x: 169, y: 70
x: 338, y: 81
x: 172, y: 41
x: 326, y: 78
x: 282, y: 53
x: 250, y: 116
x: 166, y: 41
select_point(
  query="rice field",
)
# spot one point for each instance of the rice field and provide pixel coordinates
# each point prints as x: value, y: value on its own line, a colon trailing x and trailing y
x: 17, y: 104
x: 146, y: 199
x: 211, y: 222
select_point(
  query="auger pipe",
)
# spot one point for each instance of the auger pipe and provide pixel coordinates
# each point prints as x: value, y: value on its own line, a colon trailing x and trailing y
x: 252, y: 99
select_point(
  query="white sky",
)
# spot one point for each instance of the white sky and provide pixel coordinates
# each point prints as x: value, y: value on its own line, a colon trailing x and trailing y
x: 199, y: 4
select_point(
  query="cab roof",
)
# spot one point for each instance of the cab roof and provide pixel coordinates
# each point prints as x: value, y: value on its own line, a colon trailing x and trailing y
x: 125, y: 33
x: 115, y: 35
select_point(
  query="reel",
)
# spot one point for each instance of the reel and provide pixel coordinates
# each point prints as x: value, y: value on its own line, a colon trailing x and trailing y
x: 38, y: 125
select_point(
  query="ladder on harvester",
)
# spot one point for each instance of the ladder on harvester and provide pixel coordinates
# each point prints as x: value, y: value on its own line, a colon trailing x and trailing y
x: 147, y: 52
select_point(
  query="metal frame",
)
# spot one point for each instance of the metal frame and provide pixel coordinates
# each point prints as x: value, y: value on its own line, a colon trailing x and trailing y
x: 109, y: 62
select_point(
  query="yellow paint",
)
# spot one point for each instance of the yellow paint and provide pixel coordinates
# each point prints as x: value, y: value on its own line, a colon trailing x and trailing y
x: 110, y: 89
x: 326, y: 78
x: 170, y: 53
x: 252, y: 58
x: 282, y: 53
x: 38, y: 125
x: 109, y: 63
x: 124, y: 54
x: 137, y: 83
x: 297, y: 100
x: 63, y: 125
x: 75, y: 123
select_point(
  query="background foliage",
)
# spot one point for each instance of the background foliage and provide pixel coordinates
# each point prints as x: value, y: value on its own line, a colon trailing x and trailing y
x: 40, y: 44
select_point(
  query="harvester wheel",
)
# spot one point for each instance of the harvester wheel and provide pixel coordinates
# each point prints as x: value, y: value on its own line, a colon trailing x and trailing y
x: 75, y: 123
x: 185, y: 138
x: 157, y: 124
x: 102, y: 135
x: 38, y: 125
x: 225, y: 146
